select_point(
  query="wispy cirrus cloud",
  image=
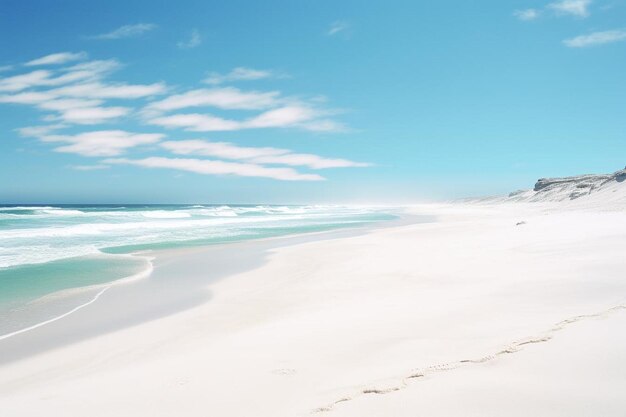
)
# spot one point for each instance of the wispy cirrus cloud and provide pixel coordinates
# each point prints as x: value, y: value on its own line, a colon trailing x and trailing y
x: 195, y: 122
x: 126, y: 31
x: 82, y: 111
x: 62, y: 104
x: 92, y: 115
x: 97, y: 68
x: 194, y: 40
x: 40, y: 78
x: 57, y: 59
x: 228, y: 98
x: 578, y: 8
x: 296, y: 116
x: 111, y: 91
x: 216, y: 167
x: 224, y: 150
x: 527, y: 14
x: 76, y: 93
x: 282, y: 117
x: 258, y: 155
x: 33, y: 98
x: 103, y: 143
x: 23, y: 81
x: 88, y: 71
x: 338, y: 26
x: 38, y: 131
x: 79, y: 95
x: 95, y: 167
x: 240, y: 74
x: 596, y: 38
x: 69, y: 110
x: 276, y: 111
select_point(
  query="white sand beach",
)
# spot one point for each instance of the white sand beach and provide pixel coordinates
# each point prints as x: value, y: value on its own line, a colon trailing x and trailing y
x: 470, y: 314
x: 312, y: 208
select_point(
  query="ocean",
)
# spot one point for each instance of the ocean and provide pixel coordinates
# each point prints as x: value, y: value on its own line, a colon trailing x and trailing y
x: 47, y: 251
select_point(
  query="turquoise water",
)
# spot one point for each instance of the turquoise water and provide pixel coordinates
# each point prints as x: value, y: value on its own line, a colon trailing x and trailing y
x: 46, y: 249
x: 20, y: 285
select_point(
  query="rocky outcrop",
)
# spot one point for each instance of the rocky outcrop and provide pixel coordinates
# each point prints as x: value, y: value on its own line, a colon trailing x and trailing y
x: 578, y: 186
x: 602, y: 190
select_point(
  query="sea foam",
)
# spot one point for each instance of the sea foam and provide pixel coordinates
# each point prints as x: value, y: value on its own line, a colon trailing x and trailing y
x: 40, y: 234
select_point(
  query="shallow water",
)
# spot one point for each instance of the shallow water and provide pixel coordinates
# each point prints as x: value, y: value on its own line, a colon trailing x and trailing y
x: 49, y: 249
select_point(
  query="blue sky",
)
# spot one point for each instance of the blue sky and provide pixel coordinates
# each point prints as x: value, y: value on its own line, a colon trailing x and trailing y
x: 305, y: 101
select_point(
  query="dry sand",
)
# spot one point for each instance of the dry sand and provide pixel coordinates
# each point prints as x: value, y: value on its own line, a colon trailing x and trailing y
x: 470, y: 315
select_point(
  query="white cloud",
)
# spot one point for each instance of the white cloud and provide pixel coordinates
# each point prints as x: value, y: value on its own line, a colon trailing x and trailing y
x: 596, y: 38
x: 309, y: 160
x: 111, y: 91
x: 69, y: 77
x: 324, y: 125
x: 578, y: 8
x: 38, y: 131
x: 29, y: 97
x: 526, y: 14
x: 97, y: 68
x: 282, y: 117
x: 63, y: 104
x: 58, y: 58
x: 228, y: 98
x: 196, y: 122
x: 92, y: 115
x: 224, y: 150
x: 71, y: 110
x: 238, y: 74
x: 22, y: 81
x: 257, y: 155
x: 127, y: 31
x: 195, y: 39
x: 287, y: 116
x: 212, y: 167
x: 78, y: 94
x: 95, y: 167
x: 88, y: 71
x: 81, y: 73
x: 337, y: 26
x: 6, y: 68
x: 102, y: 143
x: 279, y: 111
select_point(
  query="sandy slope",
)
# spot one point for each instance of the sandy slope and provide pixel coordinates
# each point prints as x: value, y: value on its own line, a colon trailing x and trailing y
x: 470, y: 315
x: 598, y: 191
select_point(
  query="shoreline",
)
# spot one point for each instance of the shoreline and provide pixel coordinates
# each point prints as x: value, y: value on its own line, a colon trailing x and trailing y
x: 57, y: 304
x: 152, y: 256
x: 100, y: 288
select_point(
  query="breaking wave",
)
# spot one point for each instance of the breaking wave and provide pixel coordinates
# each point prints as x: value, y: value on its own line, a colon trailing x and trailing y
x: 40, y: 234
